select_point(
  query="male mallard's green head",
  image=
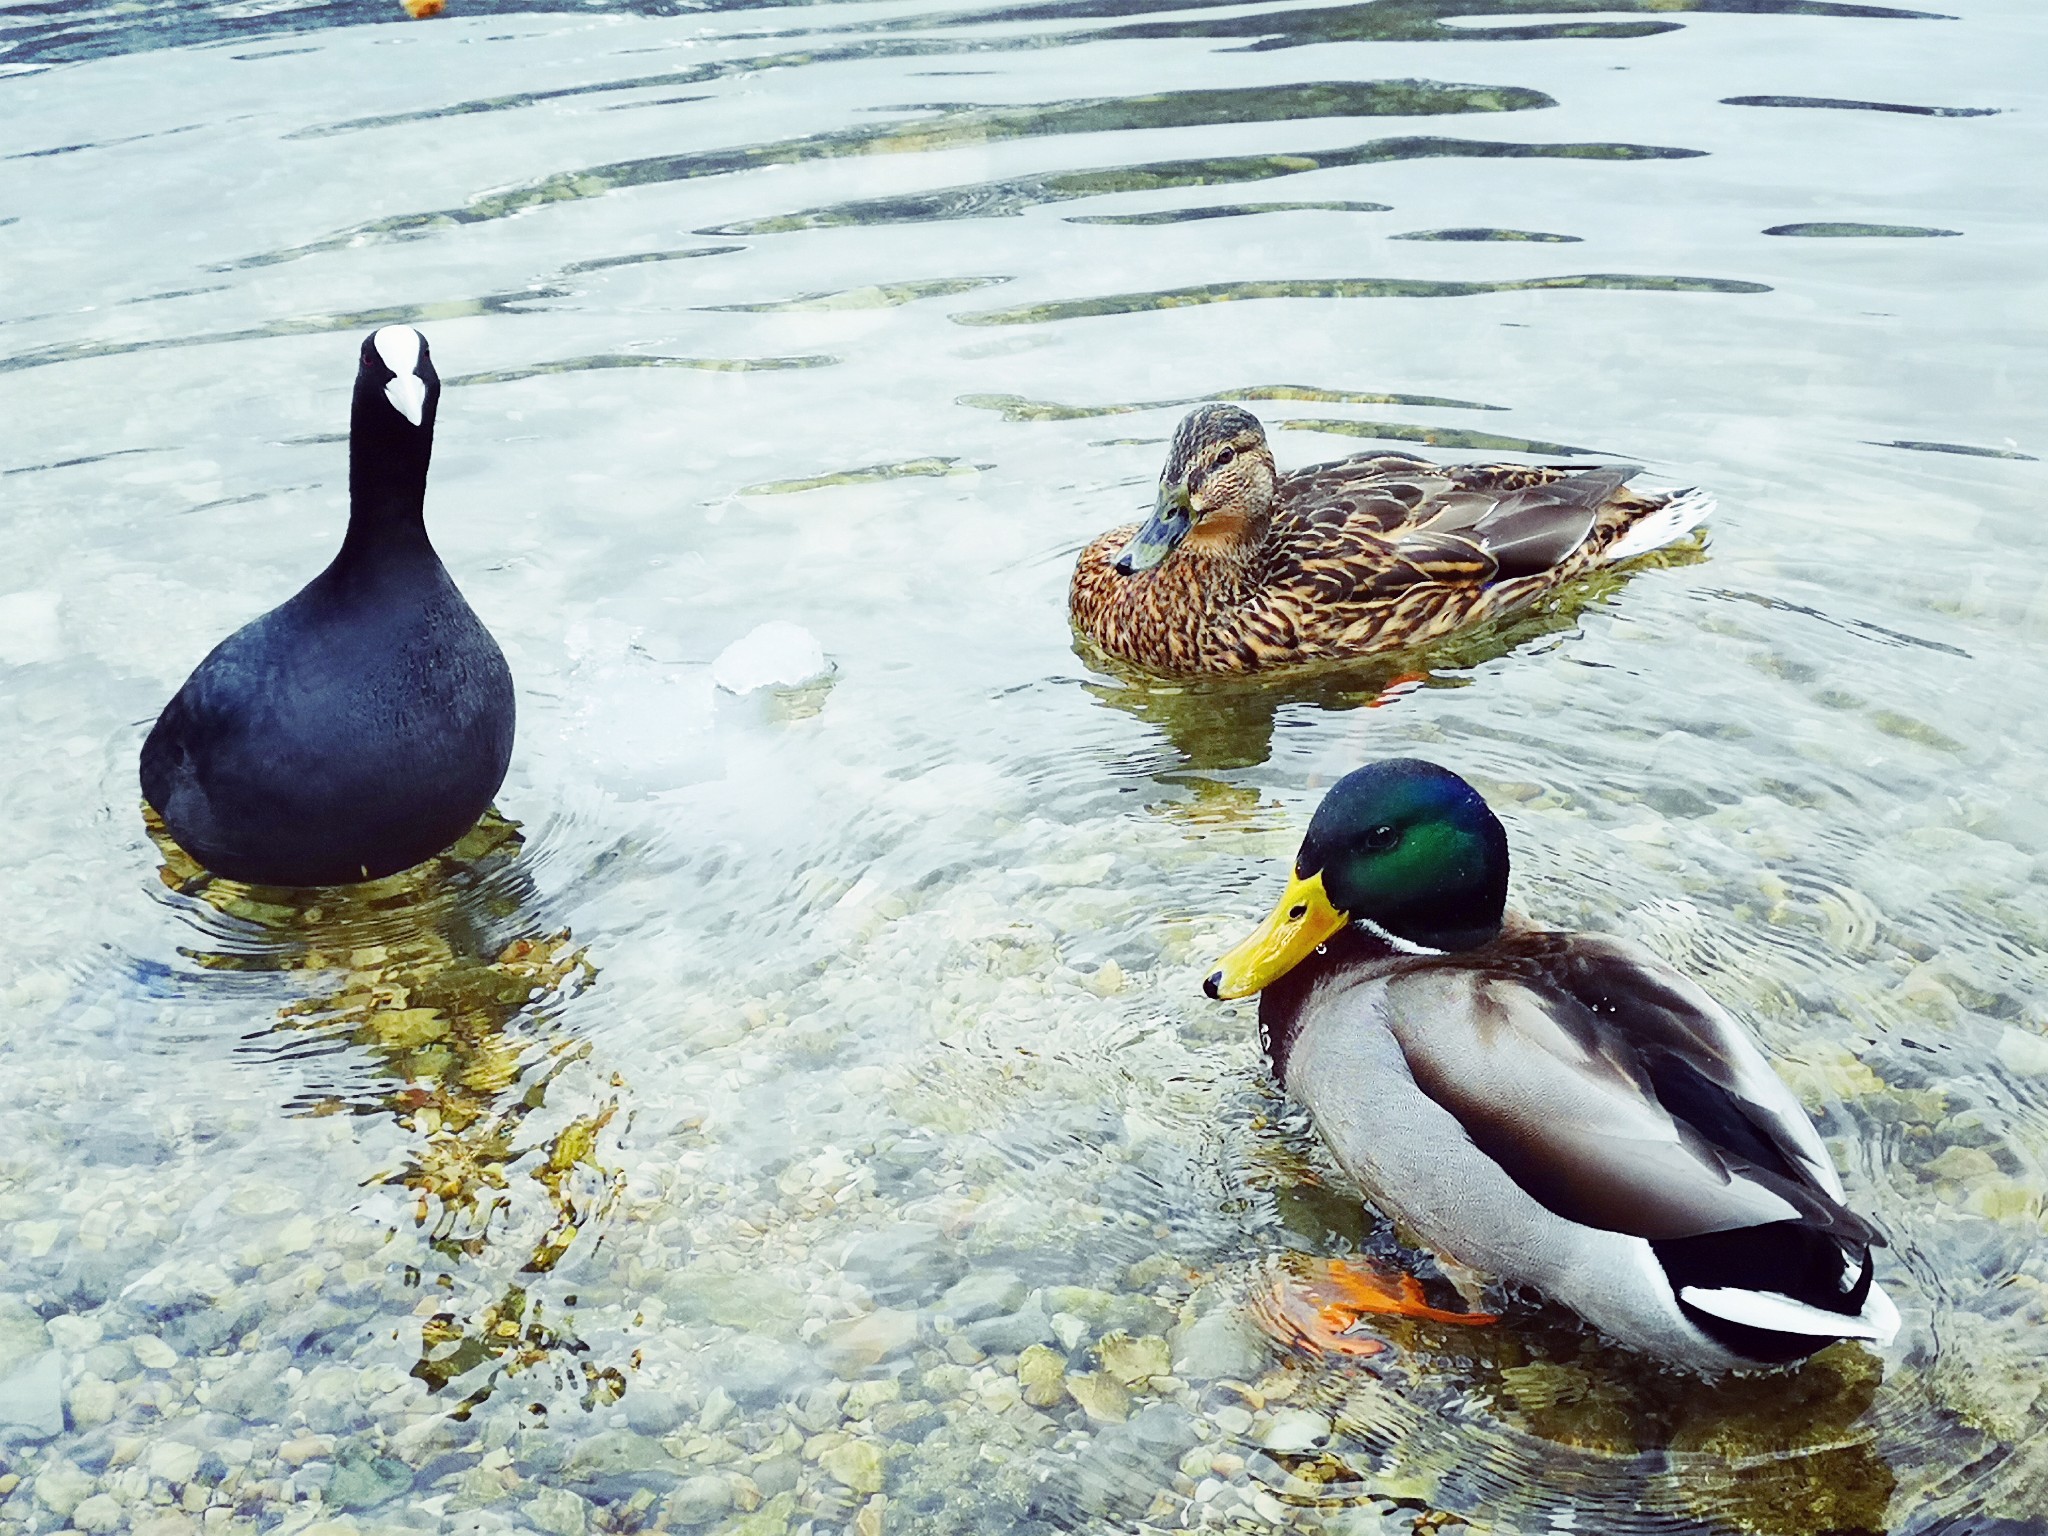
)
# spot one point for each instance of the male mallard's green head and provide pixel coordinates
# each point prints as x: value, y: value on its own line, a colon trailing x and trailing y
x: 1217, y: 489
x: 1403, y: 847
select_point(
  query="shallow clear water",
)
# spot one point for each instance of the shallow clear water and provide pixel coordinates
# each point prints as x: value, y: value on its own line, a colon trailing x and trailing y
x: 567, y: 1185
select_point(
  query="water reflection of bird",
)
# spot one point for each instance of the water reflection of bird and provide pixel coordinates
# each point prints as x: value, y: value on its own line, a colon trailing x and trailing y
x: 365, y: 724
x: 451, y: 994
x: 1559, y: 1109
x: 1240, y: 568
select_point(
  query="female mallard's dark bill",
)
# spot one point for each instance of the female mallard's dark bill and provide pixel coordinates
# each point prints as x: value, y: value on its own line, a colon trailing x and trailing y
x: 1168, y: 525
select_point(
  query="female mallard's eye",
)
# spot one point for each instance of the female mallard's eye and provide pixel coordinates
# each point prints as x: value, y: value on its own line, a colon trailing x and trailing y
x: 1381, y: 838
x: 1225, y: 457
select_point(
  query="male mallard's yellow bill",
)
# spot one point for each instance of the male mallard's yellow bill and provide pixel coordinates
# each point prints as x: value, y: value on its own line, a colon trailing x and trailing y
x: 1303, y: 920
x: 1168, y: 525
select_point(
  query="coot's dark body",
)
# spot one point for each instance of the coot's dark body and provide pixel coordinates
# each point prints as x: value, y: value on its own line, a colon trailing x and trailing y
x: 365, y: 724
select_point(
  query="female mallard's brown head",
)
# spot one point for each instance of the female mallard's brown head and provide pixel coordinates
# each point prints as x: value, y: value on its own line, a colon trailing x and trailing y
x: 1216, y: 493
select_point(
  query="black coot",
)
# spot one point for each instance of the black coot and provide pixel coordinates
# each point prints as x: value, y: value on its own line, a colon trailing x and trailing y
x: 364, y: 725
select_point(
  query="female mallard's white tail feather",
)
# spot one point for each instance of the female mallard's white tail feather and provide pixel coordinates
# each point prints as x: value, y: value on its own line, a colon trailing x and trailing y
x: 1685, y: 511
x: 1778, y: 1313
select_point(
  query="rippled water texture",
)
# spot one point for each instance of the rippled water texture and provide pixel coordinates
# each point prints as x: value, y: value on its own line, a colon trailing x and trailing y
x: 800, y: 1113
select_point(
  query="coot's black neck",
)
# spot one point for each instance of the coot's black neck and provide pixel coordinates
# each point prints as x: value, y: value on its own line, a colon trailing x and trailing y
x: 387, y: 476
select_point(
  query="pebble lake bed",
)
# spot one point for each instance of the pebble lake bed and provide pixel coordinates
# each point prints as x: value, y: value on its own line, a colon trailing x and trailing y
x: 795, y: 1111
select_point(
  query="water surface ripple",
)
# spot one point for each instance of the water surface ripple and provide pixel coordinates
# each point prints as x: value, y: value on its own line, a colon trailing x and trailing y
x: 798, y: 1112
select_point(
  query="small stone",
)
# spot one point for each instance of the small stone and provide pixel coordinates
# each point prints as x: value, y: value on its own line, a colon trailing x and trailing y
x: 32, y: 1398
x: 1108, y: 981
x: 23, y: 1335
x: 1961, y: 1165
x: 1233, y: 1420
x: 1012, y: 1334
x: 650, y: 1411
x: 114, y: 1361
x: 363, y: 1480
x: 861, y: 1343
x: 1219, y: 1346
x: 62, y: 1487
x: 1132, y: 1361
x: 778, y: 1474
x: 1069, y: 1330
x: 1042, y: 1373
x: 173, y: 1461
x: 101, y: 1512
x: 1295, y: 1429
x: 864, y: 1397
x: 153, y: 1352
x: 758, y: 1370
x: 305, y: 1448
x: 818, y: 1408
x: 558, y: 1512
x: 771, y: 1519
x: 857, y: 1464
x: 716, y: 1410
x: 1101, y: 1395
x: 2023, y: 1052
x: 74, y: 1334
x: 868, y: 1522
x: 699, y: 1500
x: 984, y: 1293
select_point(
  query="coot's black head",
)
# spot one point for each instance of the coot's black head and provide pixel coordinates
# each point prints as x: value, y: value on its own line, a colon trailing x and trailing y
x: 1405, y: 846
x: 397, y: 368
x: 391, y: 428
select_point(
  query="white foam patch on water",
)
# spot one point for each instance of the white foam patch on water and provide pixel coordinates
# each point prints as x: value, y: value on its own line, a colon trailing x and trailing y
x: 777, y: 654
x: 28, y: 627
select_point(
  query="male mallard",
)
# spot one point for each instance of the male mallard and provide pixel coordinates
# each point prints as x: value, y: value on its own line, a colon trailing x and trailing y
x: 1241, y: 568
x: 1559, y: 1109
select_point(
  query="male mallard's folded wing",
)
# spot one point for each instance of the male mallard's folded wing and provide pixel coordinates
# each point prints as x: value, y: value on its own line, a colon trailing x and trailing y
x: 1552, y: 1092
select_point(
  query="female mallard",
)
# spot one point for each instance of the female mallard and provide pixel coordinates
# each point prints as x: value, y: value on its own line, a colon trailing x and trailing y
x: 1241, y: 568
x: 1559, y: 1109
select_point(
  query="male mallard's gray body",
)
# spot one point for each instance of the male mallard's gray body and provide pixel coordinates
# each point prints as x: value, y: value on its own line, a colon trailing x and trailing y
x: 1563, y: 1090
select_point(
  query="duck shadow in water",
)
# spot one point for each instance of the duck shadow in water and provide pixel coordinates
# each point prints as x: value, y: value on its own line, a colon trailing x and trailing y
x: 435, y: 998
x: 1215, y: 724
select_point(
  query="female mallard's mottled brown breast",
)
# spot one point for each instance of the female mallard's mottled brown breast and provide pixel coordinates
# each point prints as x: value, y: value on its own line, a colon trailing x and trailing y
x: 1240, y: 569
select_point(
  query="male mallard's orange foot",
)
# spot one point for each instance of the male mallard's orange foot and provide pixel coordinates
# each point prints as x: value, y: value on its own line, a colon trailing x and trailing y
x: 1318, y: 1306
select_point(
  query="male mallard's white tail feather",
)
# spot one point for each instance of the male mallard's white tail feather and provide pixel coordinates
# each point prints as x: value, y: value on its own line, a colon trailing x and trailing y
x: 1778, y: 1313
x: 1684, y: 512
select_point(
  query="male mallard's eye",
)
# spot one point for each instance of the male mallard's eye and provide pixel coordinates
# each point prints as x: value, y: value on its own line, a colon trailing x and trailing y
x: 1379, y: 839
x: 1225, y: 457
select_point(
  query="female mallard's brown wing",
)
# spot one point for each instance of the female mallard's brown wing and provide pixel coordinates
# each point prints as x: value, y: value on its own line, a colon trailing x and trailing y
x: 1453, y: 537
